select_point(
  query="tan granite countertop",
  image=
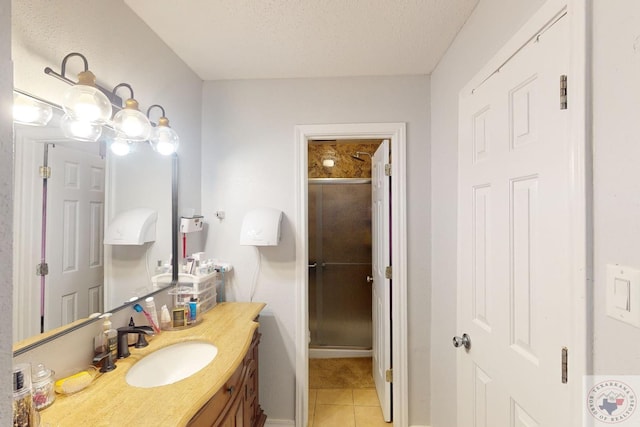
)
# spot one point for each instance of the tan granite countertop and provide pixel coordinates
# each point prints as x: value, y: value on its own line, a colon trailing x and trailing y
x: 110, y: 401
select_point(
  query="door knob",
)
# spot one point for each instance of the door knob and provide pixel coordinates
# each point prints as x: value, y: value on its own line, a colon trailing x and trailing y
x: 369, y: 279
x: 313, y: 265
x: 464, y: 341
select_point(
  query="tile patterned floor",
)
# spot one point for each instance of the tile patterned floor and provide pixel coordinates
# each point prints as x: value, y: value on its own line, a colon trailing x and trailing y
x: 344, y: 407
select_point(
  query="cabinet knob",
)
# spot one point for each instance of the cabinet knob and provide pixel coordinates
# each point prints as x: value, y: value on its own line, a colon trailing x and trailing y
x: 230, y: 390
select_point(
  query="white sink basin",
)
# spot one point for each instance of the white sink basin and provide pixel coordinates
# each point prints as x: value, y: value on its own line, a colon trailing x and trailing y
x: 171, y: 364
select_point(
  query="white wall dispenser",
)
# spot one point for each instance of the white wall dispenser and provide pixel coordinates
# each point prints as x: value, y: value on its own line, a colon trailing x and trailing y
x: 132, y: 227
x: 261, y: 227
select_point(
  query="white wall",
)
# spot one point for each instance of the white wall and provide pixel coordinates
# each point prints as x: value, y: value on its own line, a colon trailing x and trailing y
x: 490, y: 26
x: 6, y: 213
x: 616, y: 105
x: 248, y: 160
x: 119, y: 48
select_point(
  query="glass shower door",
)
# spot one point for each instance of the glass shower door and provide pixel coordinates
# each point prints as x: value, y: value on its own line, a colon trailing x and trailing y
x: 339, y: 264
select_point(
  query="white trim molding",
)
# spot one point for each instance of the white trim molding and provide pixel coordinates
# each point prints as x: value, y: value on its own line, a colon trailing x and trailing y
x: 279, y: 423
x: 396, y: 133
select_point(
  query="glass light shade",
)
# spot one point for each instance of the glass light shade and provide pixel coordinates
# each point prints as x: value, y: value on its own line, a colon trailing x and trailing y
x: 87, y: 103
x: 133, y: 124
x: 80, y: 130
x: 164, y: 140
x: 29, y: 111
x: 120, y: 146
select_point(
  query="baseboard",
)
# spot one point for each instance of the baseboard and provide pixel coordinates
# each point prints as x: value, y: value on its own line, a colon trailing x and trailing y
x: 288, y: 423
x: 279, y: 423
x: 331, y: 353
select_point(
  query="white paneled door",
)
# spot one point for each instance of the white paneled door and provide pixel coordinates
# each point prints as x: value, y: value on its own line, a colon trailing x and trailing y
x: 75, y: 224
x: 514, y: 241
x: 381, y: 259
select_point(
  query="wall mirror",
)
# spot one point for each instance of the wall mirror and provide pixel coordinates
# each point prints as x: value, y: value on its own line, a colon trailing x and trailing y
x: 65, y: 191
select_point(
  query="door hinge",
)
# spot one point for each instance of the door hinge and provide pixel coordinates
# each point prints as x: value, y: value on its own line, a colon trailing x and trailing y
x: 45, y: 172
x: 387, y: 272
x: 565, y: 363
x: 42, y: 269
x: 388, y: 375
x: 563, y: 92
x: 387, y: 169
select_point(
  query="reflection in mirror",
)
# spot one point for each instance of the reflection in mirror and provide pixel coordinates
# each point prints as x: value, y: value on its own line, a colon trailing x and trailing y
x: 66, y: 193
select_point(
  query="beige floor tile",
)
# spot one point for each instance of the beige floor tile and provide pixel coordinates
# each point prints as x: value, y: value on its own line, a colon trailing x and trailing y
x: 312, y: 403
x: 334, y: 396
x: 334, y: 416
x: 365, y: 397
x: 368, y: 416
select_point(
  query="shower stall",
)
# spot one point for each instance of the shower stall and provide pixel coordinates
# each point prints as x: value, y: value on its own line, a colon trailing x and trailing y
x: 340, y: 265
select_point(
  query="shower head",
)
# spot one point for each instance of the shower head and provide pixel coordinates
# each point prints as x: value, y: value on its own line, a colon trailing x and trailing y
x: 358, y: 153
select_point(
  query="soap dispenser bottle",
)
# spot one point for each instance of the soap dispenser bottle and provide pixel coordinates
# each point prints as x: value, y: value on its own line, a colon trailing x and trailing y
x: 110, y: 335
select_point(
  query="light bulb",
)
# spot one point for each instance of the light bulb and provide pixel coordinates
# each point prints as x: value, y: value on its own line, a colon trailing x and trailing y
x: 133, y: 124
x: 164, y: 139
x: 80, y: 130
x: 29, y: 111
x: 86, y: 102
x: 120, y: 147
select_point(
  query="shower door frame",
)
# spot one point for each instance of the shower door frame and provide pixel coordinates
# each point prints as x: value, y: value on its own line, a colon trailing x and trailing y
x: 319, y: 268
x: 396, y: 133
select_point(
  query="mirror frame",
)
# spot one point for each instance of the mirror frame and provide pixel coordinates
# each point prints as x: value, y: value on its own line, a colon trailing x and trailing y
x: 56, y: 333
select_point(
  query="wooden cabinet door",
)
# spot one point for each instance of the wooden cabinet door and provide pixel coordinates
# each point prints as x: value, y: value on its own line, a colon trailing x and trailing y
x: 235, y: 417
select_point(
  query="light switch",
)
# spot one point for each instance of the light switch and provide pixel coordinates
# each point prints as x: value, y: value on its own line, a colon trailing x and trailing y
x: 623, y: 294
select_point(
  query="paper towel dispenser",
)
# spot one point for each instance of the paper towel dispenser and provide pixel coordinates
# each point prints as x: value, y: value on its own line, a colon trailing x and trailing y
x: 132, y: 227
x: 261, y: 227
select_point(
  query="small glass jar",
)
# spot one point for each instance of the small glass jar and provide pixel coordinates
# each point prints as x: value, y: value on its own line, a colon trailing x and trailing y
x: 23, y: 411
x: 42, y: 386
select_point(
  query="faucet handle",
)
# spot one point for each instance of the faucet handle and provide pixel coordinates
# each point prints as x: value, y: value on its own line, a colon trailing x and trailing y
x: 106, y: 361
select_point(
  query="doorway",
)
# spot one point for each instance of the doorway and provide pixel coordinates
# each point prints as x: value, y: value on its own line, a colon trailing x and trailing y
x: 395, y: 132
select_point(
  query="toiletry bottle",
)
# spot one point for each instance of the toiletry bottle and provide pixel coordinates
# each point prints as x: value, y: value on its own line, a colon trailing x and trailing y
x: 99, y: 344
x: 193, y: 310
x: 150, y: 306
x: 165, y: 318
x: 110, y: 336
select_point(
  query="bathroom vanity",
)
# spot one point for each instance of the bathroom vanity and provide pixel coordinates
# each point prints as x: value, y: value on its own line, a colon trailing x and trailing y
x: 223, y: 393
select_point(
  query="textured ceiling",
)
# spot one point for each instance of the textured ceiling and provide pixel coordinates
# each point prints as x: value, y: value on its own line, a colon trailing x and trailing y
x: 246, y: 39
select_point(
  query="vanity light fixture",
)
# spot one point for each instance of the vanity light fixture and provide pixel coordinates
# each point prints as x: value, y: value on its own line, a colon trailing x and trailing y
x: 129, y: 122
x: 29, y: 111
x: 163, y: 139
x: 84, y: 100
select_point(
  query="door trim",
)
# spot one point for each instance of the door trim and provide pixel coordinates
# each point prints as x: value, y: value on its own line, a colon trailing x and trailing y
x: 396, y: 133
x: 581, y: 205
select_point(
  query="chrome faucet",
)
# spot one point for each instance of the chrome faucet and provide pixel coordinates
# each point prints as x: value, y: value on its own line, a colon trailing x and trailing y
x: 123, y: 335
